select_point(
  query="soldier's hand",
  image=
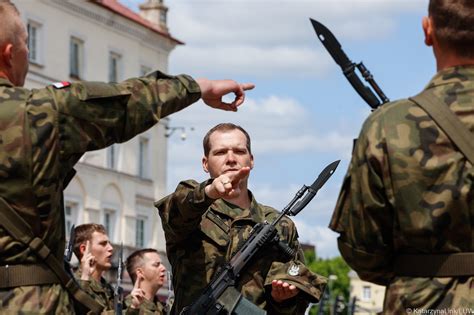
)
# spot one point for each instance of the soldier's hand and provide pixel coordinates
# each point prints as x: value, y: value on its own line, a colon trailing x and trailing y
x: 212, y: 92
x: 138, y: 295
x: 88, y: 263
x: 282, y: 291
x: 227, y: 185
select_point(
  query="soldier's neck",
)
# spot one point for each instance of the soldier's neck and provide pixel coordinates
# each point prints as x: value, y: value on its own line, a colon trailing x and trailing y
x: 150, y: 290
x: 447, y: 57
x: 243, y: 199
x: 97, y: 274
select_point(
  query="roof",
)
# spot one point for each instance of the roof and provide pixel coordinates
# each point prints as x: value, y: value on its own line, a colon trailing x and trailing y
x: 120, y: 9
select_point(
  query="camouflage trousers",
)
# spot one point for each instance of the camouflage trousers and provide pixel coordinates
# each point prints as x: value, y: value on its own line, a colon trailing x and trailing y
x: 36, y: 300
x: 407, y: 295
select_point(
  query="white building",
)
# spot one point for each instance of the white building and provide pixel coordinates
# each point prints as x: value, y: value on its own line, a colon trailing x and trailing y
x: 369, y: 296
x: 102, y: 40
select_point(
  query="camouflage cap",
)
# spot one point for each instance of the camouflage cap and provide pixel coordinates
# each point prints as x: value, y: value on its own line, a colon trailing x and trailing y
x: 296, y: 273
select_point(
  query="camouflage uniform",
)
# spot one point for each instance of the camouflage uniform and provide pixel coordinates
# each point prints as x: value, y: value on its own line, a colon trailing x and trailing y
x: 43, y: 133
x: 101, y: 291
x: 203, y: 233
x: 146, y: 308
x: 408, y: 190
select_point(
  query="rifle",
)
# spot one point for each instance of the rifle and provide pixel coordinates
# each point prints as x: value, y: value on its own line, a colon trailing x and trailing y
x: 262, y: 235
x: 348, y: 68
x: 70, y: 247
x: 118, y: 292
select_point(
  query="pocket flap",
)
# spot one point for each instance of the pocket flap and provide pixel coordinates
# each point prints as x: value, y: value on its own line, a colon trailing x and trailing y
x: 215, y: 228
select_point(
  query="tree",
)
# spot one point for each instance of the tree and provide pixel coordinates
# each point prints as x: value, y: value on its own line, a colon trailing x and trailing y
x: 337, y: 272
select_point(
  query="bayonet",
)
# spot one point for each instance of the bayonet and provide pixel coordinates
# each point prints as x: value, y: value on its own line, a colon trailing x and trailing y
x: 70, y: 245
x: 348, y: 67
x: 314, y: 188
x: 118, y: 288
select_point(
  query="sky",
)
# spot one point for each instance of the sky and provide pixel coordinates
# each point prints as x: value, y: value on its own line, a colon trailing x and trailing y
x: 303, y: 113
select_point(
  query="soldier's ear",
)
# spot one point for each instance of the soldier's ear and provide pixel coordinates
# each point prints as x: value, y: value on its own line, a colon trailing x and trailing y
x: 205, y: 164
x: 251, y: 161
x: 7, y: 55
x: 427, y: 24
x: 82, y: 249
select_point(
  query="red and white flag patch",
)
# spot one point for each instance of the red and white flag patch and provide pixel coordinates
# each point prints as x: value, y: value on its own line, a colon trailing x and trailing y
x: 61, y: 85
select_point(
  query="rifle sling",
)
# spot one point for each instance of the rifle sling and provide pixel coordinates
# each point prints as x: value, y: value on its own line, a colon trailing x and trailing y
x: 454, y: 128
x: 19, y: 275
x: 440, y: 265
x: 432, y: 265
x: 20, y: 230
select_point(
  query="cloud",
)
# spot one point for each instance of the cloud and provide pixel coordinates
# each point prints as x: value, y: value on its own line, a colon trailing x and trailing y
x: 270, y: 22
x: 321, y: 236
x: 245, y: 59
x: 276, y: 124
x: 272, y: 37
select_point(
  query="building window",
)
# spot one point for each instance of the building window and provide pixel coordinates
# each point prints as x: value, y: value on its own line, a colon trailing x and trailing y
x: 70, y: 215
x: 163, y: 17
x: 140, y: 232
x: 366, y: 293
x: 112, y: 156
x: 34, y: 31
x: 114, y: 67
x: 109, y: 222
x: 143, y: 161
x: 76, y: 48
x: 144, y: 70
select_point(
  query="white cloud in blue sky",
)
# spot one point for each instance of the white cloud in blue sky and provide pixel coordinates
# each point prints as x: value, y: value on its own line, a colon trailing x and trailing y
x: 303, y: 114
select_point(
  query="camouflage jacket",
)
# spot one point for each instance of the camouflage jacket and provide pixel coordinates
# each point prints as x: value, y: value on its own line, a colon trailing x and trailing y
x: 146, y: 308
x: 102, y: 291
x: 44, y: 132
x: 202, y: 234
x: 408, y: 190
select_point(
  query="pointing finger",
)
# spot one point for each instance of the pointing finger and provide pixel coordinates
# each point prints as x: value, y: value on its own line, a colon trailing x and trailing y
x: 88, y: 247
x: 239, y: 175
x: 138, y: 282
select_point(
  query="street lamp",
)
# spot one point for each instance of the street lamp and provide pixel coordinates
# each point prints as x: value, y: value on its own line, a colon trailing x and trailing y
x: 171, y: 130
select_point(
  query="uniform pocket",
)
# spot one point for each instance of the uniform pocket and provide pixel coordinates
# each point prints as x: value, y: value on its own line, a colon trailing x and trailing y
x: 215, y: 229
x: 98, y: 90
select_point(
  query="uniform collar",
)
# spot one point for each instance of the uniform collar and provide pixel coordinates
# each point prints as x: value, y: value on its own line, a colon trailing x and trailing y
x: 5, y: 82
x: 452, y: 75
x: 237, y: 213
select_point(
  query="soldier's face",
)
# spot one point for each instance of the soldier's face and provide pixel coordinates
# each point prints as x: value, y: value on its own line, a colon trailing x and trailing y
x: 102, y: 250
x: 228, y: 152
x: 153, y: 271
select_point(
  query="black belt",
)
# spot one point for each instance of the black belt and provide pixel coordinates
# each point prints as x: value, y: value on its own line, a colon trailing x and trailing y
x: 435, y: 265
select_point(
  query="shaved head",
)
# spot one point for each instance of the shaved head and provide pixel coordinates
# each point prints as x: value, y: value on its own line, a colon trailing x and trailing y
x: 454, y: 24
x: 13, y: 45
x: 11, y: 23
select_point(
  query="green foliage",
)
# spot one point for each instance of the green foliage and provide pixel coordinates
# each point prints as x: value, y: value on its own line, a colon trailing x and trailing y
x: 326, y: 267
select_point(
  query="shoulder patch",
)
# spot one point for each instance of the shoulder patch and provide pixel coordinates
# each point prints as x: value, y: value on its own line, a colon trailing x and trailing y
x: 61, y: 85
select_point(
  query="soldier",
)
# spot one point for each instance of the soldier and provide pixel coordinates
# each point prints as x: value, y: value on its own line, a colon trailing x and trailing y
x: 406, y: 208
x: 94, y: 251
x: 148, y: 275
x: 205, y: 223
x: 44, y: 132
